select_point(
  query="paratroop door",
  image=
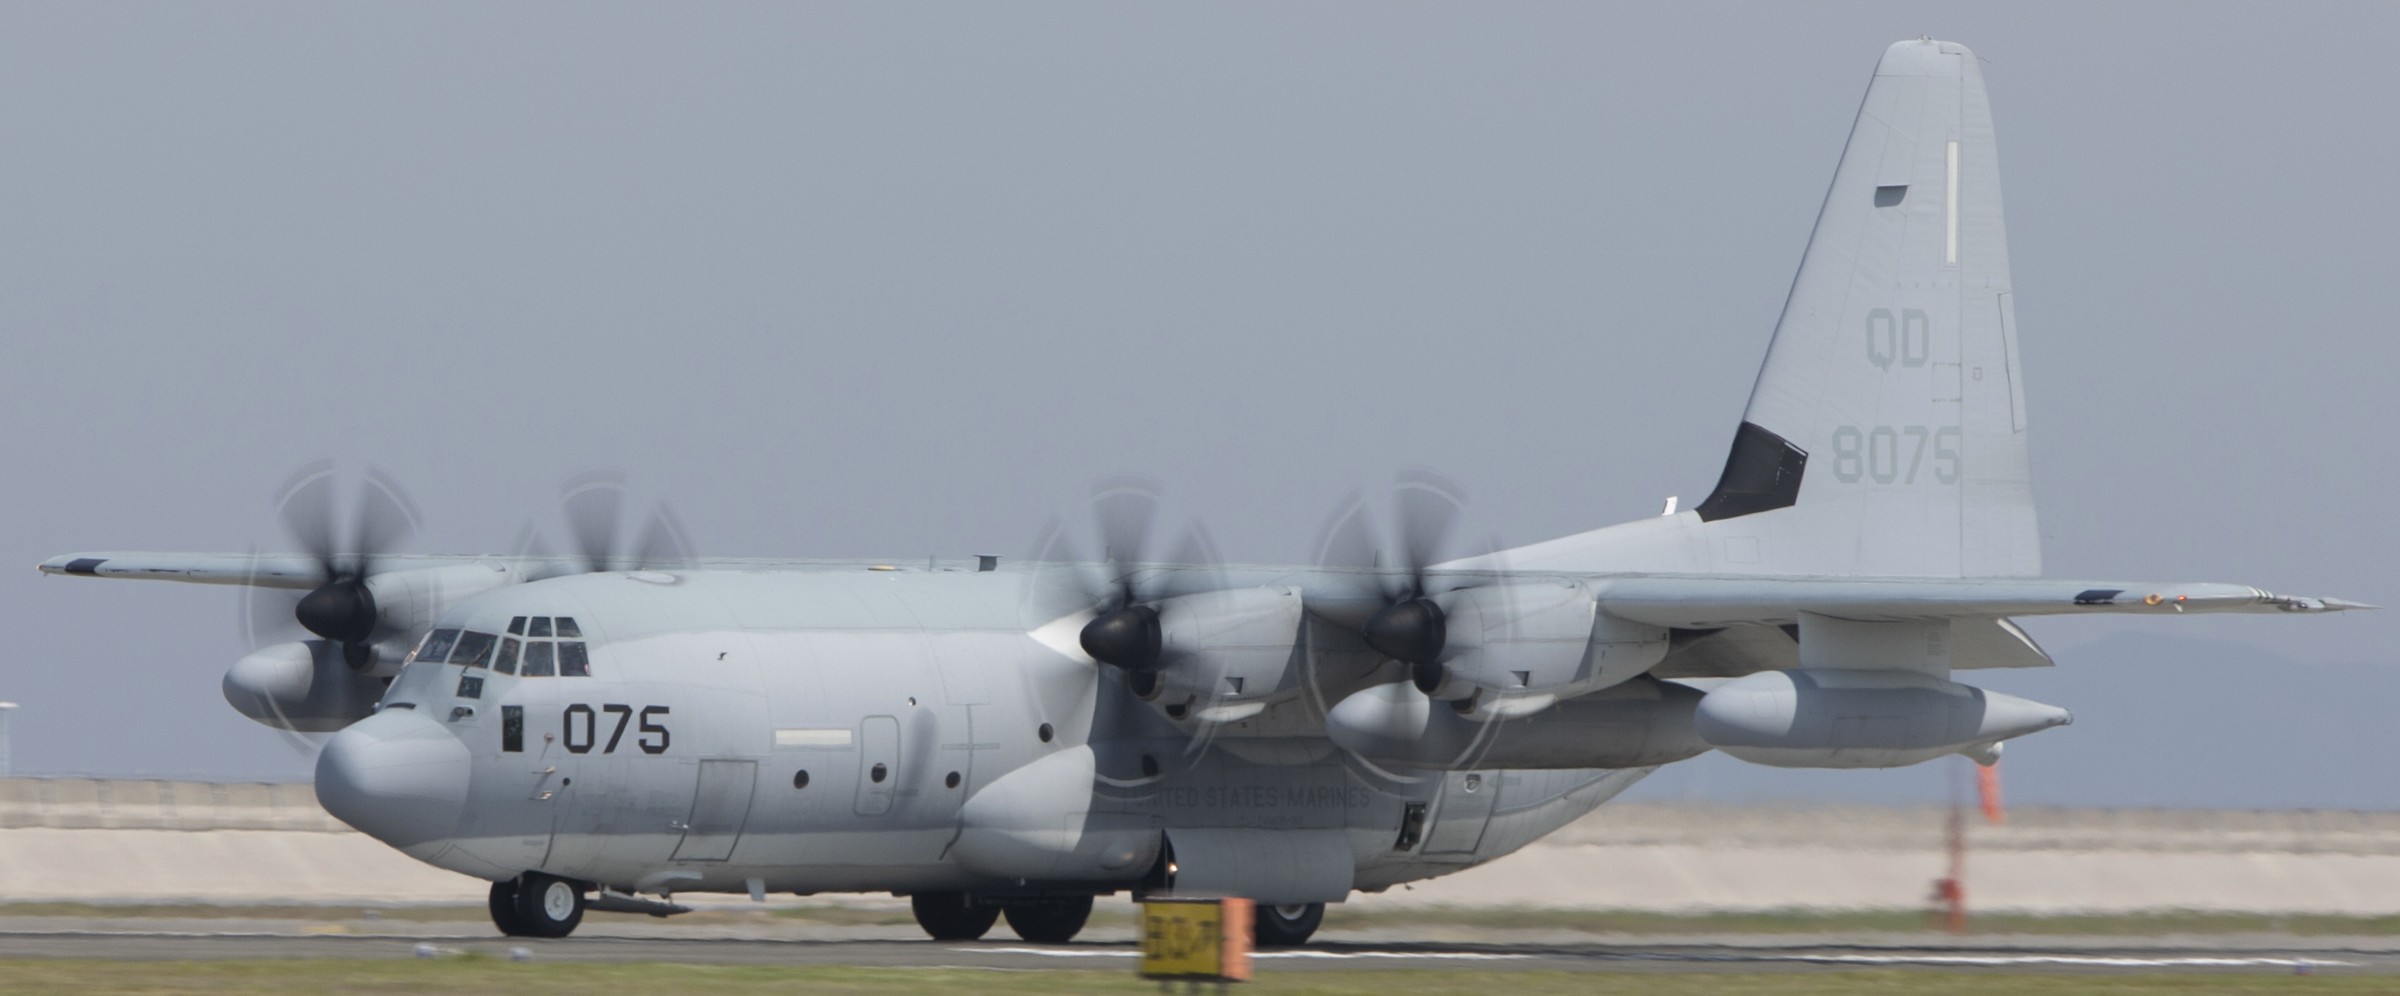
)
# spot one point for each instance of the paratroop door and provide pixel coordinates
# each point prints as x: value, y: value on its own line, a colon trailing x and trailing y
x: 878, y: 764
x: 720, y: 806
x: 1466, y: 808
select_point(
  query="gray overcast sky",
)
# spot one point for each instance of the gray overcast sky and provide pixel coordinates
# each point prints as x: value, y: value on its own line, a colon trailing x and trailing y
x: 886, y: 280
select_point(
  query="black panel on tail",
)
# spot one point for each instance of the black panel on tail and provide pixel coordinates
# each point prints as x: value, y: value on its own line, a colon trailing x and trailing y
x: 1761, y: 474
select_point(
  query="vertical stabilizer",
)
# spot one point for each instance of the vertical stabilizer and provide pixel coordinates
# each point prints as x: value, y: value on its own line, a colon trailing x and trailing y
x: 1886, y: 432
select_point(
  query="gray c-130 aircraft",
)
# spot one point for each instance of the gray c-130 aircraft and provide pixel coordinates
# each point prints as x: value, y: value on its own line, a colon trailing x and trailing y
x: 1012, y: 739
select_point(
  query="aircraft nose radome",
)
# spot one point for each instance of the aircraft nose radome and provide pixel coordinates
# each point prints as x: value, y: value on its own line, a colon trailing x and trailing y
x: 397, y: 776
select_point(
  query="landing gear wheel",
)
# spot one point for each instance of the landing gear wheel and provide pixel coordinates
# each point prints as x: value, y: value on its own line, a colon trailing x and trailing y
x: 1050, y: 921
x: 503, y: 904
x: 547, y: 905
x: 952, y: 916
x: 1286, y: 926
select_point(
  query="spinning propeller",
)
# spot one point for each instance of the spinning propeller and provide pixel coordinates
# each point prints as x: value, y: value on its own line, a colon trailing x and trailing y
x: 339, y: 607
x: 1411, y: 627
x: 594, y: 506
x: 1125, y: 634
x: 1128, y: 630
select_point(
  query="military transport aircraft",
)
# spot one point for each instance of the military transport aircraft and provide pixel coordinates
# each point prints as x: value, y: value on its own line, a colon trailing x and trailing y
x: 1012, y: 739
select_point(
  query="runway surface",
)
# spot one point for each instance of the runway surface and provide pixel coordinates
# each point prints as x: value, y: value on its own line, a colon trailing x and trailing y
x: 885, y: 946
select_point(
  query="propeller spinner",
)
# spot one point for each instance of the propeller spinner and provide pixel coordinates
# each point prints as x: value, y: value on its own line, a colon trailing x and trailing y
x: 1411, y: 627
x: 1126, y: 634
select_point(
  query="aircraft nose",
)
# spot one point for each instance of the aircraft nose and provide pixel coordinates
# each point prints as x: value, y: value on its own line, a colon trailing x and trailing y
x: 397, y: 776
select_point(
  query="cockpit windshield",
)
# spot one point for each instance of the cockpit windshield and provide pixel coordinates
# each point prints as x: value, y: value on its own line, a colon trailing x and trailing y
x: 435, y: 648
x: 540, y: 661
x: 474, y: 649
x: 551, y: 646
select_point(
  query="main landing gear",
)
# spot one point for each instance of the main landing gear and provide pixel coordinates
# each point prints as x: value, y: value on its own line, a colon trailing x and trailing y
x: 537, y: 905
x: 956, y: 916
x: 1286, y: 926
x: 952, y: 916
x: 1050, y: 921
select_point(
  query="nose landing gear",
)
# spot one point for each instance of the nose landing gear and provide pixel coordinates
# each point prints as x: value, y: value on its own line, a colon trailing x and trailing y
x: 537, y: 905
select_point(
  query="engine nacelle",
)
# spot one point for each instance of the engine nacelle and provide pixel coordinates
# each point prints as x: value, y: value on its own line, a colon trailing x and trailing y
x: 1810, y: 718
x: 1633, y: 724
x: 407, y: 601
x: 1226, y: 651
x: 305, y: 687
x: 1539, y: 638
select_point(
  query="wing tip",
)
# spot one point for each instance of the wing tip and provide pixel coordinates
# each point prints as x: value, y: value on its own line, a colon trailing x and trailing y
x: 2302, y: 603
x: 74, y: 563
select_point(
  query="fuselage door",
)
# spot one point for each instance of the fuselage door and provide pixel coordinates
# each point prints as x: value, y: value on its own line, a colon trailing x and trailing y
x: 1466, y: 808
x: 720, y: 806
x: 878, y: 764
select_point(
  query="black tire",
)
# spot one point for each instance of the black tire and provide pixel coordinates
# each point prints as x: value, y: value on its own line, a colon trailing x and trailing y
x: 503, y: 904
x: 547, y: 905
x: 1287, y: 926
x: 952, y: 916
x: 1050, y: 921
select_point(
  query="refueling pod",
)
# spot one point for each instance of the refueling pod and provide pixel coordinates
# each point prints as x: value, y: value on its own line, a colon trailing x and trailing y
x: 1810, y: 718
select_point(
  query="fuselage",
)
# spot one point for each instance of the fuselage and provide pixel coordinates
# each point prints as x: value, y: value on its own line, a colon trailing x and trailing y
x: 833, y: 731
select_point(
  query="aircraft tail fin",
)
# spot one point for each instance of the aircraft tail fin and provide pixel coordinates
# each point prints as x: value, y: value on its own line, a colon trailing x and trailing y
x: 1886, y: 432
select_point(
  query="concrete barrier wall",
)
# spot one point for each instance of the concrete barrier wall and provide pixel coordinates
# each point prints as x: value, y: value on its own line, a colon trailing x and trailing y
x: 147, y: 804
x: 2044, y: 860
x: 157, y: 841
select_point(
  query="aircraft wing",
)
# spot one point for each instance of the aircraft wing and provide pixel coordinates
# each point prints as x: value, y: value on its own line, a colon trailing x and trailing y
x: 1715, y: 602
x: 257, y: 570
x: 300, y: 571
x: 262, y: 571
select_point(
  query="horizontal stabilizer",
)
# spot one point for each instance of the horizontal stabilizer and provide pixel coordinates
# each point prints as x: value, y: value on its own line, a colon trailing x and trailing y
x: 1704, y: 603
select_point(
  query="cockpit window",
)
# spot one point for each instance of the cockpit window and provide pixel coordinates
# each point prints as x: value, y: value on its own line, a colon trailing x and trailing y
x: 436, y: 647
x: 474, y: 649
x: 572, y: 661
x: 539, y: 655
x: 538, y: 660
